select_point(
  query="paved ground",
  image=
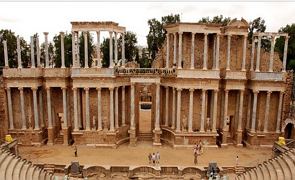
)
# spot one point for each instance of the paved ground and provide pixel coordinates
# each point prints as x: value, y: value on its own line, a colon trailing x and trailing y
x: 125, y: 155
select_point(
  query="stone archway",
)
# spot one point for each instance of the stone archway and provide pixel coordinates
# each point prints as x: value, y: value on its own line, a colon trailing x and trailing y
x: 288, y: 128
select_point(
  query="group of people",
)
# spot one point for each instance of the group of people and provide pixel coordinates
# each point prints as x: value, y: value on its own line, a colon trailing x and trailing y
x: 154, y: 158
x: 198, y: 150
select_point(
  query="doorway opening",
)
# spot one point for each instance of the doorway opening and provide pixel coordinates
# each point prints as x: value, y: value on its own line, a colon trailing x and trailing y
x: 289, y: 131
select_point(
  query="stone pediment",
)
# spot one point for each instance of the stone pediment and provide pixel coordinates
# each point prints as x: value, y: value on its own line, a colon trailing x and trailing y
x: 238, y: 23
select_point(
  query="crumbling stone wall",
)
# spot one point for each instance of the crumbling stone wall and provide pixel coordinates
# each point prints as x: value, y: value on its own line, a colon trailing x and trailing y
x: 3, y: 111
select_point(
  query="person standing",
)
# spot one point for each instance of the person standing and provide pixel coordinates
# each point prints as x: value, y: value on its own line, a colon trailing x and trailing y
x: 158, y: 158
x: 237, y: 160
x: 150, y: 158
x: 154, y: 158
x: 196, y: 154
x: 76, y: 151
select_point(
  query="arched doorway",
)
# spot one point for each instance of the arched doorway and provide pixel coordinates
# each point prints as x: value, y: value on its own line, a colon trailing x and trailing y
x: 289, y: 131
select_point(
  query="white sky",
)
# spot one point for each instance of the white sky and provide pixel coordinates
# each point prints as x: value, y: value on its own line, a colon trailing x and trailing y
x: 27, y: 18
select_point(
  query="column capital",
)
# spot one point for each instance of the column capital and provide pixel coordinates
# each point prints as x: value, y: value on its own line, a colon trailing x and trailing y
x: 287, y: 38
x: 74, y: 88
x: 20, y: 88
x: 179, y: 89
x: 98, y: 88
x: 204, y: 90
x: 47, y: 88
x: 255, y: 91
x: 111, y: 88
x: 226, y: 90
x: 242, y: 90
x: 206, y: 34
x: 191, y: 89
x: 7, y: 88
x: 167, y: 34
x: 98, y: 32
x: 86, y: 88
x: 245, y: 36
x: 166, y: 87
x: 216, y: 90
x: 45, y: 33
x: 269, y: 92
x: 180, y: 33
x: 229, y: 35
x: 193, y: 33
x: 132, y: 83
x: 174, y: 34
x: 62, y: 33
x: 34, y: 88
x: 63, y: 88
x: 111, y: 33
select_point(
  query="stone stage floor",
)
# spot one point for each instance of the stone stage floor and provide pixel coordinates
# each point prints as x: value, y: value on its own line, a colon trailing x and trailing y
x: 137, y: 156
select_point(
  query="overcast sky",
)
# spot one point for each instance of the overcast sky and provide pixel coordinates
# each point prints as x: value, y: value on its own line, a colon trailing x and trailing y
x: 27, y: 18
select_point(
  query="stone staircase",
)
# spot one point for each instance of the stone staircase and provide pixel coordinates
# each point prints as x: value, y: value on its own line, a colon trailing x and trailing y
x: 12, y: 167
x: 145, y: 136
x: 239, y: 170
x: 59, y: 139
x: 278, y: 168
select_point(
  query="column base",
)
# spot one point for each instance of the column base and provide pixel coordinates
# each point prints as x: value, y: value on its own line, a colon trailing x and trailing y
x: 157, y: 137
x: 224, y: 139
x: 132, y: 137
x: 65, y: 136
x: 239, y: 138
x: 50, y: 136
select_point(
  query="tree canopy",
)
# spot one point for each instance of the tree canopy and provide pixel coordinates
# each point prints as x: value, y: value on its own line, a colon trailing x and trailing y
x: 216, y: 20
x: 67, y: 49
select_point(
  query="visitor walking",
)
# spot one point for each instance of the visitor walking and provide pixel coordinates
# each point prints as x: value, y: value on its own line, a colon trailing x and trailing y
x: 237, y: 160
x: 150, y: 158
x: 196, y: 154
x: 154, y: 158
x: 200, y: 147
x: 76, y: 151
x: 158, y: 157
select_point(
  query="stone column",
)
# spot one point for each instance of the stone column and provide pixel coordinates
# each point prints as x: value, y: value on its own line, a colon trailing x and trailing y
x: 225, y: 108
x: 241, y: 110
x: 116, y: 48
x: 76, y: 127
x: 9, y: 104
x: 167, y: 106
x: 228, y: 52
x: 217, y: 51
x: 78, y: 51
x: 214, y: 53
x: 157, y: 121
x: 270, y: 67
x: 79, y: 102
x: 178, y: 109
x: 41, y: 115
x: 74, y: 49
x: 215, y: 105
x: 64, y: 100
x: 36, y: 115
x: 190, y: 113
x: 112, y: 109
x: 203, y: 115
x: 5, y: 54
x: 22, y: 107
x: 266, y: 115
x: 49, y: 112
x: 111, y: 50
x: 123, y: 106
x: 167, y: 50
x: 205, y: 51
x: 123, y: 49
x: 174, y: 49
x: 193, y: 52
x: 279, y: 117
x: 244, y: 53
x: 62, y: 45
x: 116, y: 108
x: 38, y: 52
x: 87, y: 111
x: 85, y: 50
x: 46, y: 50
x: 285, y: 53
x: 249, y: 111
x: 132, y: 110
x: 173, y: 108
x: 252, y: 54
x: 180, y: 50
x: 32, y: 53
x: 253, y: 125
x: 19, y: 54
x: 257, y: 69
x: 98, y: 49
x: 99, y: 120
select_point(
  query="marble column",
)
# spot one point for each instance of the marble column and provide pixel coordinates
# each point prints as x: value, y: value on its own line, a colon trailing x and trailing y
x: 98, y: 49
x: 173, y: 108
x: 116, y: 108
x: 266, y: 115
x: 41, y: 115
x: 203, y: 111
x: 111, y: 50
x: 167, y: 50
x: 87, y: 110
x: 99, y: 120
x: 257, y: 69
x: 85, y: 50
x: 244, y: 53
x: 116, y: 47
x: 49, y: 111
x: 270, y: 66
x: 253, y: 125
x: 193, y: 51
x: 123, y: 49
x: 178, y: 109
x: 241, y: 110
x: 78, y: 49
x: 74, y: 49
x: 167, y: 106
x: 132, y: 108
x: 180, y: 50
x: 76, y: 123
x: 5, y: 54
x: 215, y: 106
x: 112, y: 109
x: 285, y: 53
x: 279, y: 116
x: 174, y: 49
x: 190, y: 112
x: 205, y: 59
x: 252, y: 54
x: 32, y: 53
x: 123, y: 106
x: 62, y: 45
x: 217, y: 51
x: 22, y: 107
x: 38, y: 52
x: 36, y: 115
x: 226, y: 91
x: 19, y: 54
x: 64, y: 100
x: 228, y: 52
x: 46, y: 50
x: 157, y: 121
x: 79, y: 103
x: 9, y: 104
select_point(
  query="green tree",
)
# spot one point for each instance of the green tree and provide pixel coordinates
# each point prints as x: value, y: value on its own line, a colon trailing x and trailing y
x: 258, y: 25
x: 144, y: 61
x: 67, y: 49
x: 216, y: 20
x: 50, y: 54
x: 10, y: 37
x: 280, y: 43
x: 90, y: 49
x: 156, y: 35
